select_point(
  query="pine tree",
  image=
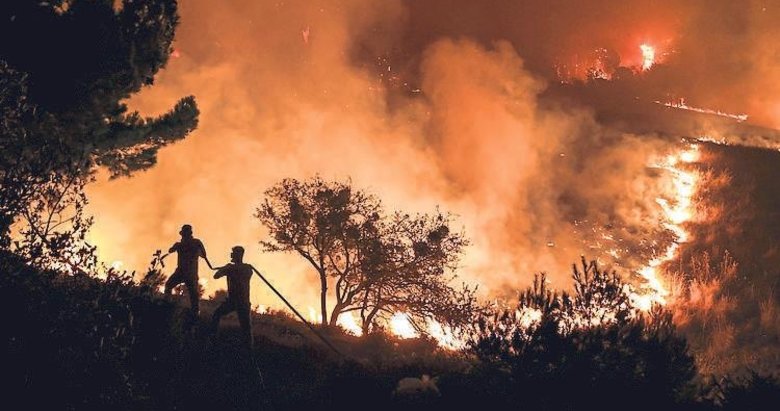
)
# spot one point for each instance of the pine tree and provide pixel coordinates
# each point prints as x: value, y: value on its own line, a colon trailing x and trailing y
x: 67, y: 68
x: 81, y: 60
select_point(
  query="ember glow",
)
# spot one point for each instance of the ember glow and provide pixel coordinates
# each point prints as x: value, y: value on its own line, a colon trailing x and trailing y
x: 348, y: 322
x: 313, y: 315
x: 446, y: 336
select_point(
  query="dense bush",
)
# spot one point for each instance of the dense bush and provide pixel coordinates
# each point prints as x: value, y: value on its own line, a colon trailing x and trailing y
x: 70, y: 339
x: 586, y: 350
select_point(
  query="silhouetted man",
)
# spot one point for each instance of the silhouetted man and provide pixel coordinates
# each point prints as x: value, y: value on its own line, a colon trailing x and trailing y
x: 238, y: 275
x: 188, y: 250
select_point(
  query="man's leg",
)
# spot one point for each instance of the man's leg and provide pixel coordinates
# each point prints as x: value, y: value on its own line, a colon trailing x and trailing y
x: 172, y: 281
x: 224, y: 309
x: 194, y: 291
x: 243, y: 311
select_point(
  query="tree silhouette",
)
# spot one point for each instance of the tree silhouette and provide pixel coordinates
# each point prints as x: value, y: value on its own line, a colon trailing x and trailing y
x: 19, y: 172
x: 376, y: 264
x: 64, y: 81
x: 41, y: 186
x: 324, y: 222
x: 589, y: 344
x: 406, y: 269
x: 54, y: 230
x: 600, y: 297
x: 79, y: 82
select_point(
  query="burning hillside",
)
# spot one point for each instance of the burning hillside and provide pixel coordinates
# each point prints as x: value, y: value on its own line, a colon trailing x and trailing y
x: 551, y: 132
x: 410, y: 182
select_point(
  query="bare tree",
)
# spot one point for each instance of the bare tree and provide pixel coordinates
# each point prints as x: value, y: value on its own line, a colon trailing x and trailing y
x: 52, y: 227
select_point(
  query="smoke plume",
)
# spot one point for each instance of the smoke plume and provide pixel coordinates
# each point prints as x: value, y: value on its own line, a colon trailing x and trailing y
x: 425, y: 104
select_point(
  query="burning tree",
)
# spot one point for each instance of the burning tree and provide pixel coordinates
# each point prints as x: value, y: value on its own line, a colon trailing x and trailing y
x: 377, y: 264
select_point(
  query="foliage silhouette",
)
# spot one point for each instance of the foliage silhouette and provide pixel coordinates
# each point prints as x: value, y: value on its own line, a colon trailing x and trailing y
x: 376, y: 264
x: 79, y: 83
x: 64, y: 81
x: 589, y: 345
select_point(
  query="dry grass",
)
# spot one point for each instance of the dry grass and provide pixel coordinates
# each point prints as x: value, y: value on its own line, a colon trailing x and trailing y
x: 770, y: 322
x: 730, y: 322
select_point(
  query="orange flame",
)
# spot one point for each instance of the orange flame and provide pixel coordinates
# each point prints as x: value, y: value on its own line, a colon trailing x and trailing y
x: 401, y: 326
x: 648, y: 56
x: 349, y: 324
x: 677, y: 213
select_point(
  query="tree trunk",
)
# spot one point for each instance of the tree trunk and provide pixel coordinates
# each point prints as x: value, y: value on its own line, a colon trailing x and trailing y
x: 324, y: 298
x: 334, y: 315
x: 368, y: 320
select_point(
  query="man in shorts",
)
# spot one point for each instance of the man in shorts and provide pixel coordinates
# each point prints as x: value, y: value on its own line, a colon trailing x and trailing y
x: 188, y: 250
x: 238, y: 275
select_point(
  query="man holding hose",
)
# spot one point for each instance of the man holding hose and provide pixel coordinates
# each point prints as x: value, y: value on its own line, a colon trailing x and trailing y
x: 238, y: 275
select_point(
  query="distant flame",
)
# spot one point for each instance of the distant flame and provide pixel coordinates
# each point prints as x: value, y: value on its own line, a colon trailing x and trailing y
x: 648, y: 56
x: 527, y: 317
x: 446, y: 337
x: 681, y: 105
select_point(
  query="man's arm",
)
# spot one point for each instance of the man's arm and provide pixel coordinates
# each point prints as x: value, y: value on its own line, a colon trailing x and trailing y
x: 221, y: 272
x: 173, y: 248
x: 203, y: 254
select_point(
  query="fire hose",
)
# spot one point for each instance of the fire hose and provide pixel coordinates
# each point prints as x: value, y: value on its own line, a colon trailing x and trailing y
x: 321, y: 337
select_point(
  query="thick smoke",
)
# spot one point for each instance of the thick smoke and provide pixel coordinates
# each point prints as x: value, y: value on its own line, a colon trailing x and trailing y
x: 719, y: 54
x: 290, y: 89
x: 729, y: 58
